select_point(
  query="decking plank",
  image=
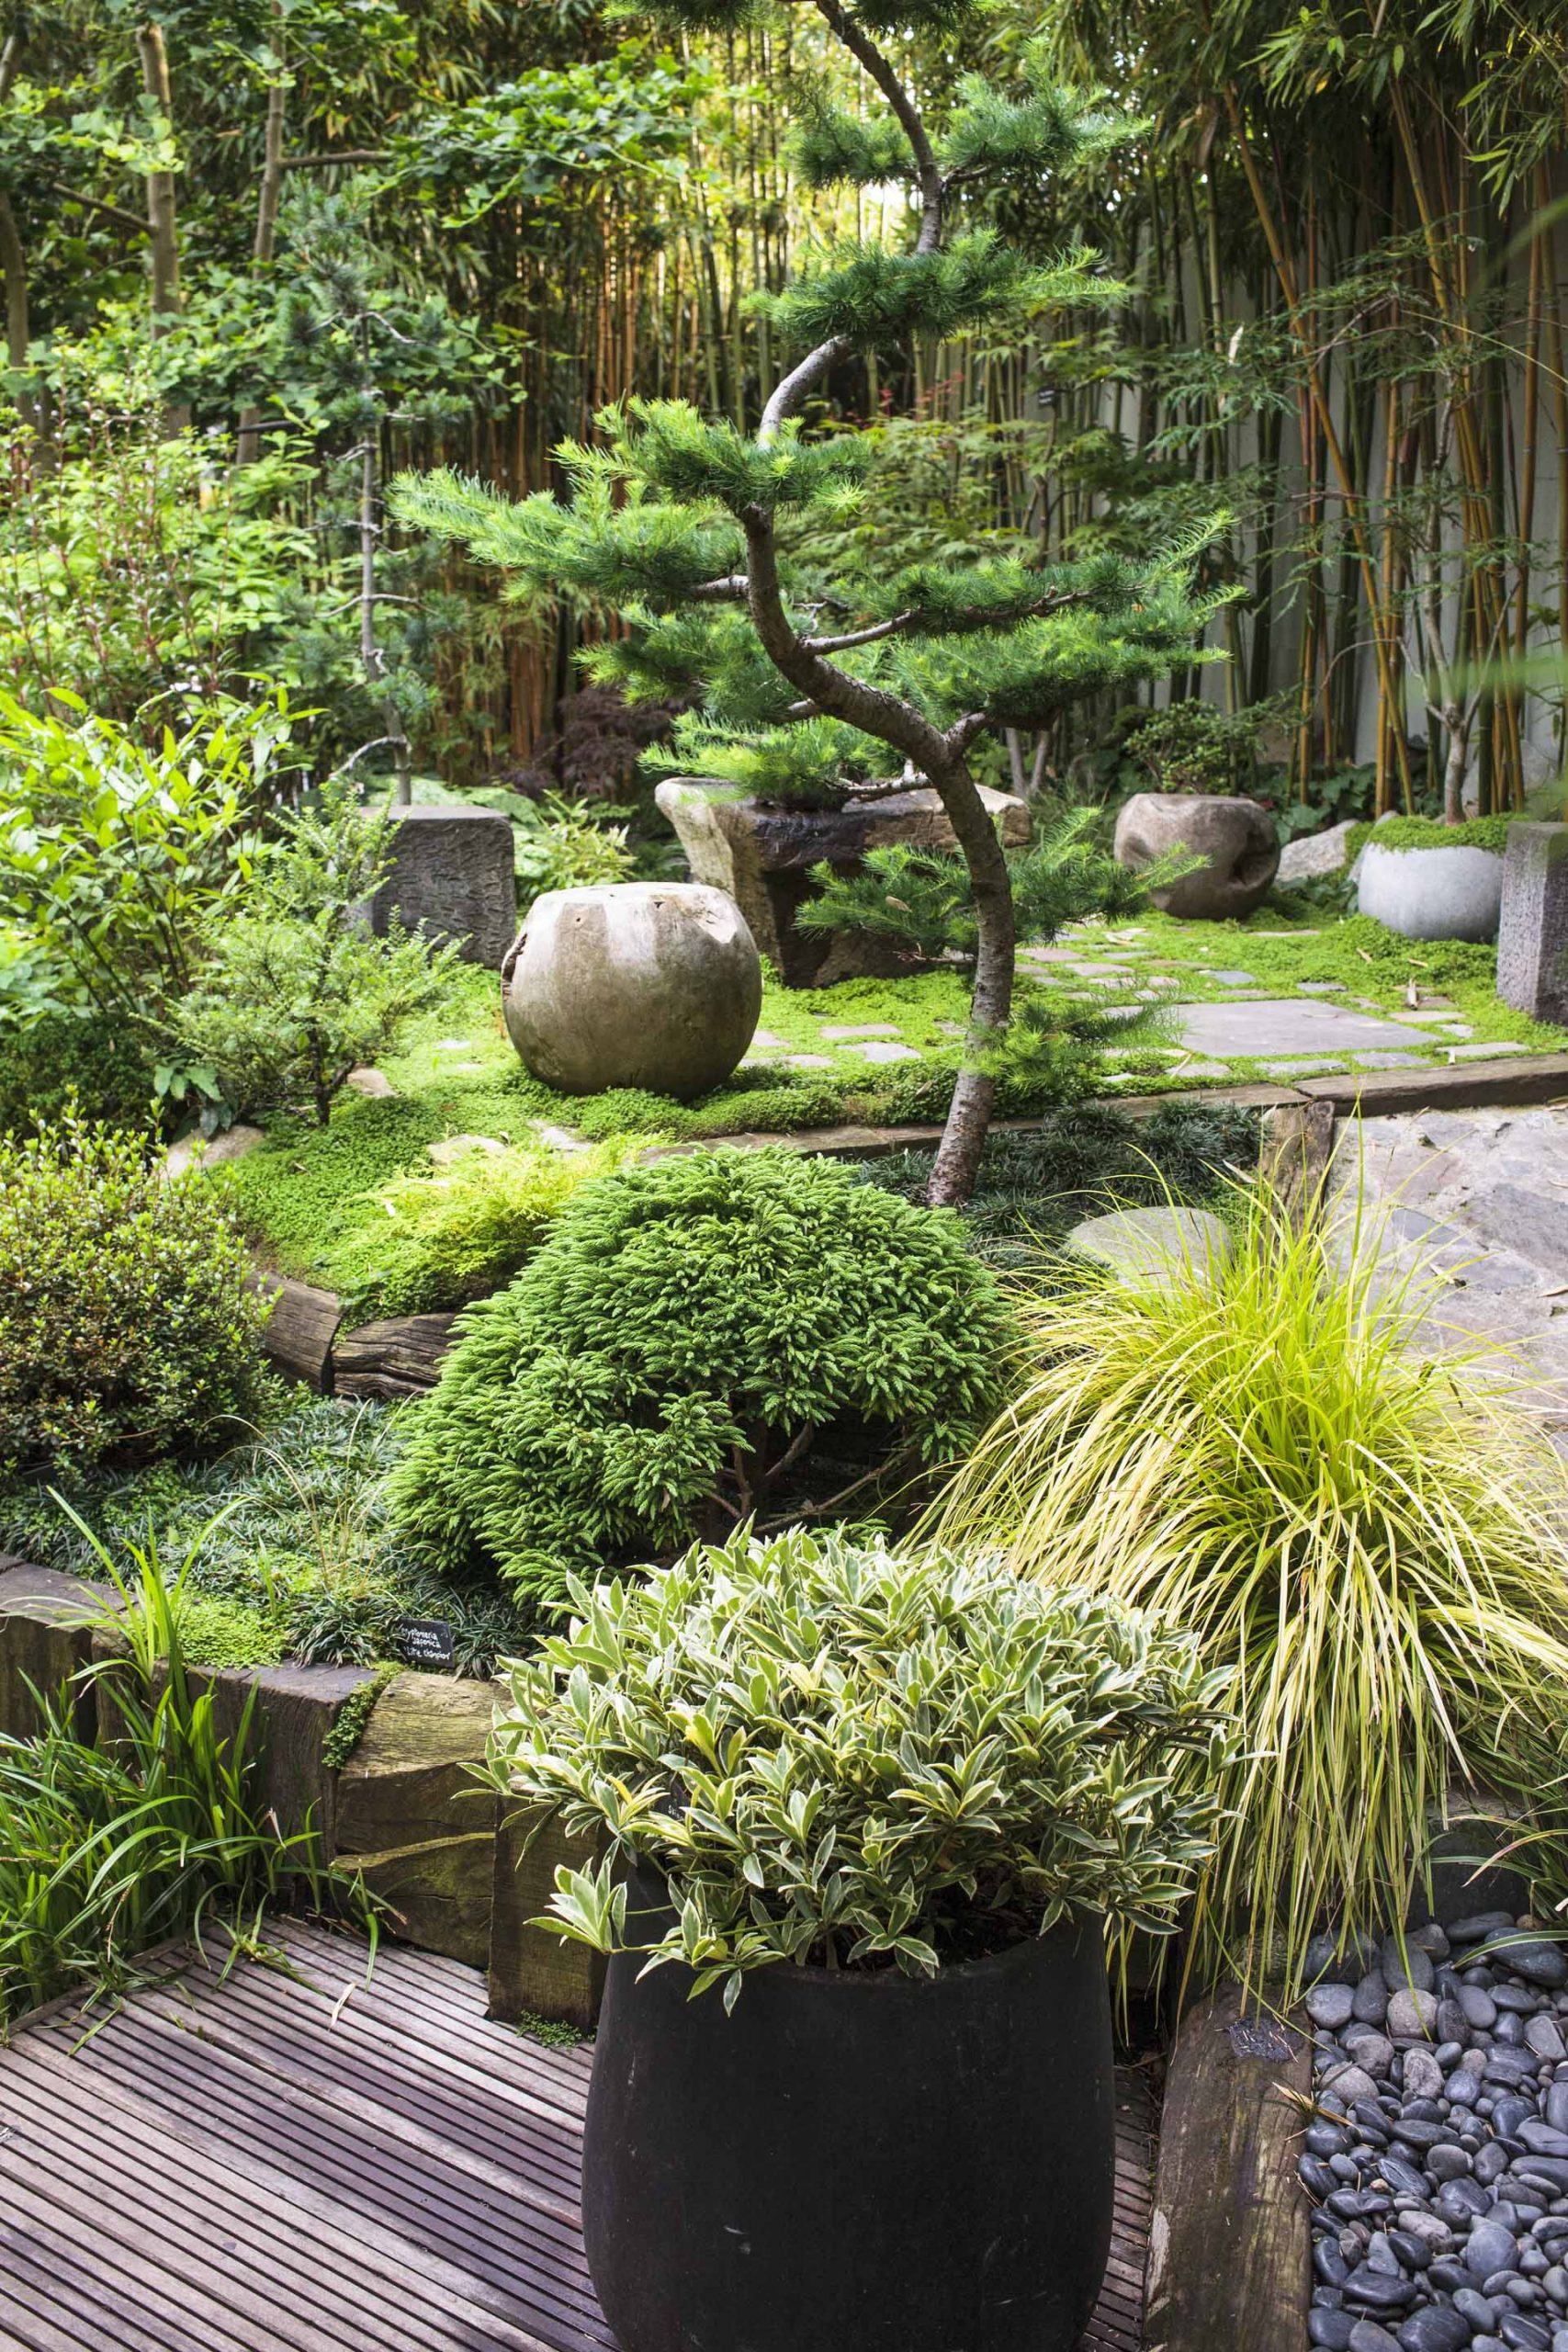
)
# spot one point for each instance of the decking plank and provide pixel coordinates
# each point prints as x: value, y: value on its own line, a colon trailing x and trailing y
x: 243, y: 2160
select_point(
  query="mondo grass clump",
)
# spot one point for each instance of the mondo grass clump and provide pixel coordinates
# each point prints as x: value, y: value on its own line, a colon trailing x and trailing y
x: 1368, y: 1540
x: 107, y: 1849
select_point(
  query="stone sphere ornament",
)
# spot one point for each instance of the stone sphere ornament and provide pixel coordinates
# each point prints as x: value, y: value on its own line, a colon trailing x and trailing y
x: 650, y: 984
x: 1236, y: 838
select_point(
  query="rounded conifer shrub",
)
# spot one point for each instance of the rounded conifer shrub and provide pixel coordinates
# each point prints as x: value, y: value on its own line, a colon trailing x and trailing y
x: 734, y: 1336
x: 126, y: 1329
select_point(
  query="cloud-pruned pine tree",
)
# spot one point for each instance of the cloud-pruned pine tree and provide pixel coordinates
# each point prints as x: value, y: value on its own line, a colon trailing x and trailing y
x: 701, y: 536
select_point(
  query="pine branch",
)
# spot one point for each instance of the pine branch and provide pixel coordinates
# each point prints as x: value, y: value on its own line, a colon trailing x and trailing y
x: 928, y: 172
x: 925, y: 622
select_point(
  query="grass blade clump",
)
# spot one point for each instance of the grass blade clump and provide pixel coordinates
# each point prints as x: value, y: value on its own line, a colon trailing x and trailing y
x: 443, y: 1237
x: 1369, y: 1539
x: 109, y: 1850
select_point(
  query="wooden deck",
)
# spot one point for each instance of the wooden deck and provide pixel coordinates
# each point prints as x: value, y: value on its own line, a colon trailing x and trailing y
x: 298, y: 2160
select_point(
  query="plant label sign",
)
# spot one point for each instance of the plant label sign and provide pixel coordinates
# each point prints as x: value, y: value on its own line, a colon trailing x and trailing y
x: 428, y: 1641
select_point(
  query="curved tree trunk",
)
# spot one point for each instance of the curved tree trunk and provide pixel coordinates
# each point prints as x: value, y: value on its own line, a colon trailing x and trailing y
x: 957, y: 1163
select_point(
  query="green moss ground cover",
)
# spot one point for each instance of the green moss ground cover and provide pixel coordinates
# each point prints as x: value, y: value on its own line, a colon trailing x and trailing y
x: 316, y: 1202
x: 1281, y: 955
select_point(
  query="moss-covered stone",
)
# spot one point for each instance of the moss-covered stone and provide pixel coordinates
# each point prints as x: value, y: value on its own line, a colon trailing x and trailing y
x: 413, y: 1778
x: 413, y: 1816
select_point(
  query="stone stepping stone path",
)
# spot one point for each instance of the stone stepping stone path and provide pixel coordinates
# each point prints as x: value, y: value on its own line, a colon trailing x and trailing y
x: 1472, y: 1206
x: 1437, y: 2158
x: 1264, y: 1026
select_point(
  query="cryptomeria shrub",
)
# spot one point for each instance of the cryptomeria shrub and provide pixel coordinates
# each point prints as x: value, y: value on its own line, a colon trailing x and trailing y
x: 697, y: 1342
x: 126, y: 1328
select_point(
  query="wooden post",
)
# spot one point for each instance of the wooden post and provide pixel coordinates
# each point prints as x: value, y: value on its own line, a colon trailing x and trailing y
x: 1229, y: 2253
x: 1296, y: 1150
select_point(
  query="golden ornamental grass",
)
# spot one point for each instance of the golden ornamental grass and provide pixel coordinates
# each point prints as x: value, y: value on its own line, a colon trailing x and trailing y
x: 1370, y: 1540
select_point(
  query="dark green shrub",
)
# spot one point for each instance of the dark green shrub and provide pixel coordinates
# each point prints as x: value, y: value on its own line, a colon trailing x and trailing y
x: 697, y: 1342
x: 126, y: 1329
x: 67, y: 1055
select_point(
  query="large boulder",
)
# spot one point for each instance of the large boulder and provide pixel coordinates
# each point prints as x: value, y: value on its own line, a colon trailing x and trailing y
x: 1235, y: 838
x: 764, y: 857
x: 654, y: 984
x: 1431, y: 893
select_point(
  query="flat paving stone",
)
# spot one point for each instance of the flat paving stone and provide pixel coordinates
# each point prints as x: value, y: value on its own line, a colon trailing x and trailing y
x: 1482, y: 1053
x: 1391, y: 1061
x: 765, y: 1037
x: 1155, y: 1245
x: 860, y: 1029
x: 1267, y: 1027
x: 1322, y: 988
x: 811, y: 1061
x: 1234, y: 980
x: 885, y: 1050
x: 1295, y: 1068
x: 1474, y: 1206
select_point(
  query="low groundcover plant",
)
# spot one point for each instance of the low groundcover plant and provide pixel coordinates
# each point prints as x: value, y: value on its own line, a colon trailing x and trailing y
x: 831, y: 1753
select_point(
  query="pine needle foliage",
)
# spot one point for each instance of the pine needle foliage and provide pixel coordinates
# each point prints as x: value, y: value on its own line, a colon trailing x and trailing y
x: 679, y: 524
x: 1367, y: 1539
x: 921, y: 900
x: 697, y: 1342
x: 831, y: 149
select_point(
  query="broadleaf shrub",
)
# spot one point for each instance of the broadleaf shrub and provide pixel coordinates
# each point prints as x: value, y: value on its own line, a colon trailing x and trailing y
x: 832, y: 1754
x: 697, y: 1342
x: 126, y: 1328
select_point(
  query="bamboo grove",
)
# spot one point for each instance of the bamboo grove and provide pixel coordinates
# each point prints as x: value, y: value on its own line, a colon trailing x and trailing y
x: 1341, y: 238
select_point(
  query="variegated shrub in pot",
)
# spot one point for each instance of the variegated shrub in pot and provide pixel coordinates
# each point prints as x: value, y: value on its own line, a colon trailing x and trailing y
x: 868, y: 1820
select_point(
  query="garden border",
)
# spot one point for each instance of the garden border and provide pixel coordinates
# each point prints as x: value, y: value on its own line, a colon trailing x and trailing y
x: 400, y: 1355
x: 402, y: 1808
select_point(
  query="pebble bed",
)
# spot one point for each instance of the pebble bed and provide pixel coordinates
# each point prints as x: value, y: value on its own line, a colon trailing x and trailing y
x: 1437, y: 2159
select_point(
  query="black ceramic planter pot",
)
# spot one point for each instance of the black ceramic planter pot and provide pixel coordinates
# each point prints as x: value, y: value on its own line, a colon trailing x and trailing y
x: 854, y: 2163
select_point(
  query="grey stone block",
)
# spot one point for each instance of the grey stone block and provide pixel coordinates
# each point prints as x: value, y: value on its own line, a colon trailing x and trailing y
x: 452, y: 871
x: 1532, y: 940
x: 1431, y: 893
